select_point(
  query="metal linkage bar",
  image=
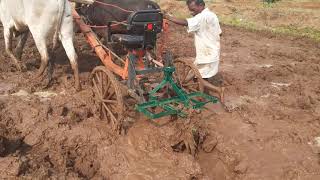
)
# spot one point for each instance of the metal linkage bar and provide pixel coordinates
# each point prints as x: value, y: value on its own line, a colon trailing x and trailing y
x: 169, y: 105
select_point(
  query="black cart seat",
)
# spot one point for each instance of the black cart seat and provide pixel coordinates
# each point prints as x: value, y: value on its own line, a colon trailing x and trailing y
x: 143, y: 27
x: 130, y: 41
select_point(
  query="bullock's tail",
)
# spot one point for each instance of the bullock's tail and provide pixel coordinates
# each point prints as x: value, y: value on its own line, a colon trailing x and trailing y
x: 61, y: 4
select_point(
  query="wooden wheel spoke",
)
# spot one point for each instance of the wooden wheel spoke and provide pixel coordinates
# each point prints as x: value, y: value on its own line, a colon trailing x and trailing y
x: 183, y: 68
x: 186, y: 90
x: 106, y: 88
x: 99, y: 80
x: 97, y: 76
x: 100, y: 109
x: 178, y: 67
x: 96, y: 87
x: 178, y: 76
x: 113, y: 118
x: 104, y: 113
x: 110, y: 101
x: 113, y: 106
x: 193, y: 89
x: 189, y: 76
x: 111, y: 94
x: 191, y: 84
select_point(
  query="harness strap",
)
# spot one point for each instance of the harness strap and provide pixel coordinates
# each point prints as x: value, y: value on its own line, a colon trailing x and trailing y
x: 115, y: 6
x: 106, y: 26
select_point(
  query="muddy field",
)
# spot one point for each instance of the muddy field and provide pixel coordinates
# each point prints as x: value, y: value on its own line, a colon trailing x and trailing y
x: 273, y: 89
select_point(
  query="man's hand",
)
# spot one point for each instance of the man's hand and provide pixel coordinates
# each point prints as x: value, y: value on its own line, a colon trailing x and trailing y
x: 175, y: 20
x: 166, y: 15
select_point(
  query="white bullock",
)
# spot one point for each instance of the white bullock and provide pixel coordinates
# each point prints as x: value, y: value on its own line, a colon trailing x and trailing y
x: 41, y: 18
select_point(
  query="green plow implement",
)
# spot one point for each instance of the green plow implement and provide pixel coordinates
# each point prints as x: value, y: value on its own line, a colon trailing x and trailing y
x: 172, y: 106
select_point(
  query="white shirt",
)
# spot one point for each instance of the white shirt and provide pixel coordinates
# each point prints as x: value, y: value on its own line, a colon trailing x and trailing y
x: 206, y: 28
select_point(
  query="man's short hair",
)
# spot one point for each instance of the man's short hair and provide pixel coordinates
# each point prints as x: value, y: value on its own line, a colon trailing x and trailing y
x: 197, y: 2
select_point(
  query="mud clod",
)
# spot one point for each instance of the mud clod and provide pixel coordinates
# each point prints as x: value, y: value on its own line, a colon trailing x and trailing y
x: 2, y: 146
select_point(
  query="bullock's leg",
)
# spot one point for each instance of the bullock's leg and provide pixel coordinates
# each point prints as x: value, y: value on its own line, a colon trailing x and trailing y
x: 8, y: 34
x: 22, y: 41
x: 43, y: 50
x: 66, y: 38
x: 71, y: 53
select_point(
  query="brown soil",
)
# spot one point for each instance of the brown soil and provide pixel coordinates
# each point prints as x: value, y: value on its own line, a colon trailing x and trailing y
x: 273, y: 89
x: 298, y: 14
x: 305, y: 5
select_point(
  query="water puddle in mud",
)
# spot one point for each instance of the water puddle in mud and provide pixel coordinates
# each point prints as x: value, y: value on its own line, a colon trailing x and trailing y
x: 280, y: 85
x: 42, y: 95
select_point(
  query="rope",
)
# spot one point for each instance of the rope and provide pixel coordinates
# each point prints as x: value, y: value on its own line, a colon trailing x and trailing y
x: 94, y: 26
x: 105, y: 26
x: 117, y: 23
x: 115, y: 6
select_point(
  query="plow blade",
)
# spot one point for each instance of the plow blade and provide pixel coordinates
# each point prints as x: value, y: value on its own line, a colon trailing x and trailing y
x: 174, y: 105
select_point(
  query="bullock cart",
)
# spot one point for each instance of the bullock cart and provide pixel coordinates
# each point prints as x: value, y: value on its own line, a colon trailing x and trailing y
x: 130, y: 76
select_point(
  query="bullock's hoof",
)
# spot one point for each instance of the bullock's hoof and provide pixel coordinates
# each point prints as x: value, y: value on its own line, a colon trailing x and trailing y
x: 77, y: 83
x: 36, y: 77
x: 46, y: 83
x: 23, y: 68
x: 39, y: 75
x: 78, y: 88
x: 18, y: 67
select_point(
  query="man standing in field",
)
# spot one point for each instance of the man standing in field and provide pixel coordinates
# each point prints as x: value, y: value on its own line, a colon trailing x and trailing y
x: 205, y: 26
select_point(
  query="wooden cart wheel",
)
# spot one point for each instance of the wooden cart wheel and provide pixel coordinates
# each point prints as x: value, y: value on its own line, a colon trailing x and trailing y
x: 187, y: 76
x: 108, y: 97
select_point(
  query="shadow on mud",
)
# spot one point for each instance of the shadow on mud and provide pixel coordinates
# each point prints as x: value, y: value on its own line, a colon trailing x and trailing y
x: 14, y: 146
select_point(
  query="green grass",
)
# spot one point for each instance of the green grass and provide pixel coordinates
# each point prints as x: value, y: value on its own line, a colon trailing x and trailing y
x: 302, y: 32
x: 237, y: 22
x: 238, y: 19
x: 285, y: 30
